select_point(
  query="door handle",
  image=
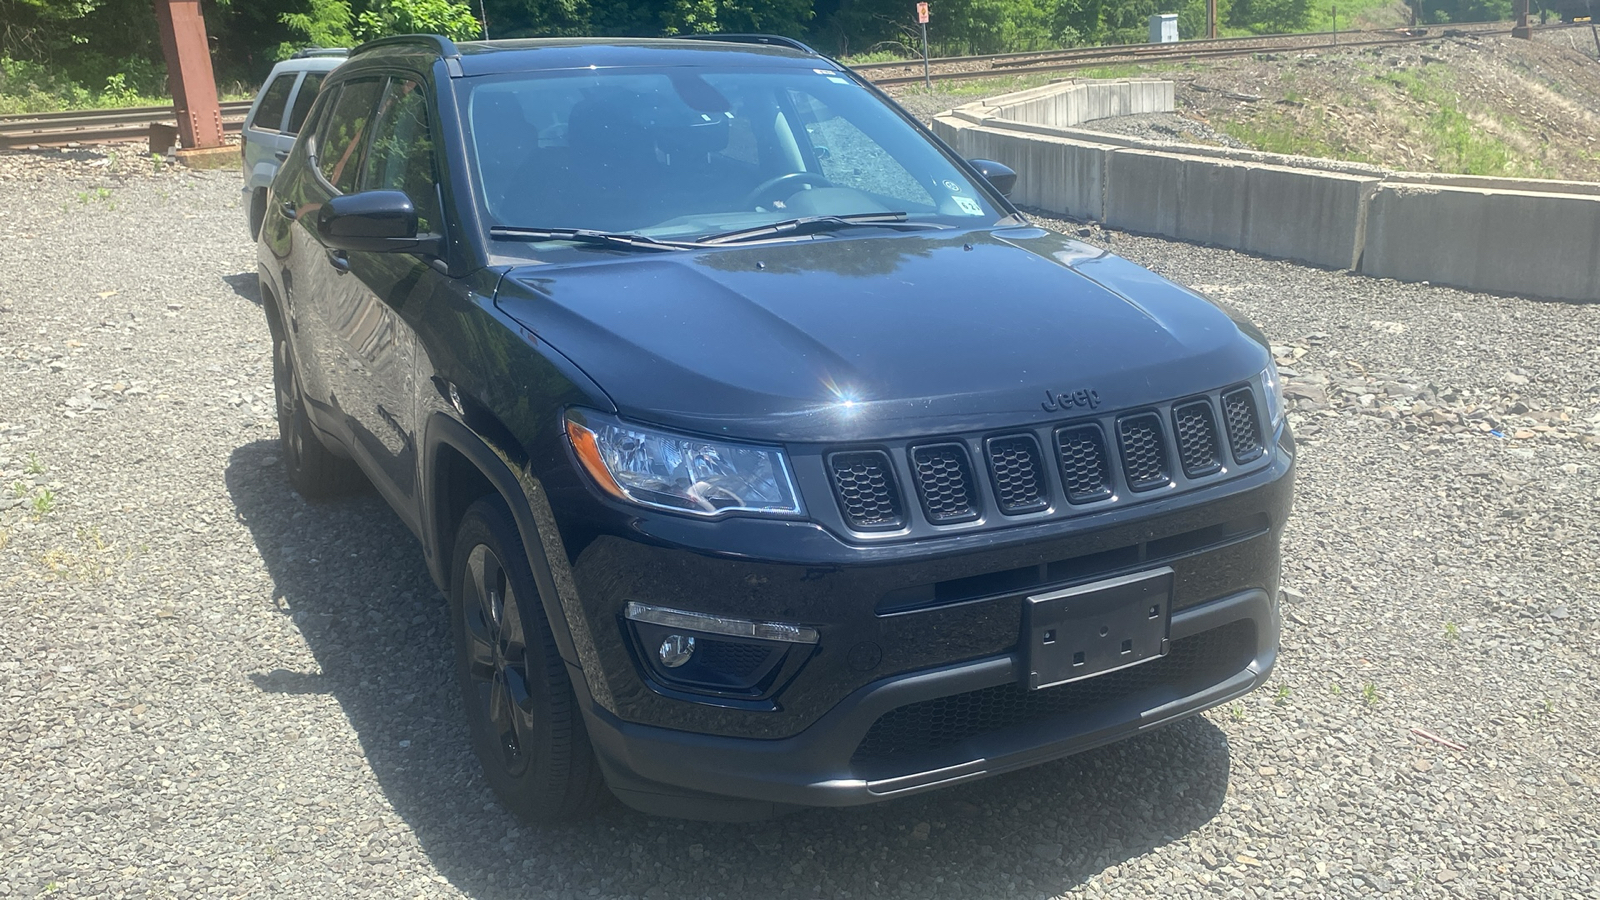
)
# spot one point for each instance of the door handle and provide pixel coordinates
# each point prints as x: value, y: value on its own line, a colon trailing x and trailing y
x: 340, y: 261
x: 289, y: 211
x: 281, y: 155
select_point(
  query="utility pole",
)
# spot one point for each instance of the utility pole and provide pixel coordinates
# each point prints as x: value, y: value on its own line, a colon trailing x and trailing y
x: 1211, y: 19
x: 922, y: 19
x: 194, y: 87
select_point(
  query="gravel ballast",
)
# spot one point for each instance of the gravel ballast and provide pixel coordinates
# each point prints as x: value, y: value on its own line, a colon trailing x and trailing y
x: 211, y: 687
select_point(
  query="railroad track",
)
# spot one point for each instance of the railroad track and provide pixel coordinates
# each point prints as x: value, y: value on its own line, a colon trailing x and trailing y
x: 94, y: 126
x: 1007, y: 64
x: 91, y: 126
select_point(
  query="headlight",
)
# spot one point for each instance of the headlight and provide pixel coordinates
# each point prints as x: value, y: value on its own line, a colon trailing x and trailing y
x: 1272, y: 384
x: 679, y: 472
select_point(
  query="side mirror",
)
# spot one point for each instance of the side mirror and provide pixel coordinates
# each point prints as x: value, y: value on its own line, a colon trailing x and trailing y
x: 1001, y: 176
x: 373, y: 222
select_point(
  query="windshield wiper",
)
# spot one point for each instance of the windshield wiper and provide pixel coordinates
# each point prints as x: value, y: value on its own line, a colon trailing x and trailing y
x: 816, y: 224
x: 620, y: 240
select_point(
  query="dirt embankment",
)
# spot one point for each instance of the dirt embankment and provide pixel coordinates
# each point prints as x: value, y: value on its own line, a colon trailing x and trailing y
x: 1465, y: 104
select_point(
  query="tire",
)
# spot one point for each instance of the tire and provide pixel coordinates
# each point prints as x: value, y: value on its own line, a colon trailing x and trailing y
x: 258, y: 212
x: 523, y: 716
x: 314, y: 471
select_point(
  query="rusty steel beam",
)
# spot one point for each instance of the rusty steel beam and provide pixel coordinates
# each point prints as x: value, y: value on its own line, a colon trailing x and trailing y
x: 194, y: 86
x: 1522, y: 29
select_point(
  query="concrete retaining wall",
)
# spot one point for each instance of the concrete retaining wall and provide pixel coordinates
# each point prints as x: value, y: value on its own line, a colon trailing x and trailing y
x: 1087, y: 101
x: 1520, y: 236
x: 1514, y: 242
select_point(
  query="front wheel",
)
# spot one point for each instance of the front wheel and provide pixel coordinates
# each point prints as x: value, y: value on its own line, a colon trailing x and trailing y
x: 526, y: 727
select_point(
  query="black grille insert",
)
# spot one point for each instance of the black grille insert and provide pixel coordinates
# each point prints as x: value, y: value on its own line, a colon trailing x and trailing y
x: 1019, y: 485
x: 944, y: 482
x: 1144, y: 454
x: 1192, y: 664
x: 736, y: 658
x: 1085, y: 470
x: 865, y: 484
x: 1195, y: 427
x: 1244, y: 430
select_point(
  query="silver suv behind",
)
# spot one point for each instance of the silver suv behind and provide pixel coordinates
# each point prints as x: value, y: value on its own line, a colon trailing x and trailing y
x: 274, y: 120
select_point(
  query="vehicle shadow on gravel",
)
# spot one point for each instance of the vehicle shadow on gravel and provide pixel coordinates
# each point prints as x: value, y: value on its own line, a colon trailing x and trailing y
x: 246, y: 285
x: 352, y: 578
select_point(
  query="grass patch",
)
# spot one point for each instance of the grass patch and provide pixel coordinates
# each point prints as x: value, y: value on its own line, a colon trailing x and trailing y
x: 1356, y: 14
x: 1461, y: 146
x: 93, y: 559
x: 1279, y: 134
x: 1006, y: 84
x: 877, y: 56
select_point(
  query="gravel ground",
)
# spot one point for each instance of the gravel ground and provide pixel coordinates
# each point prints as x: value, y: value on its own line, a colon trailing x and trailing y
x: 1168, y: 127
x: 212, y: 687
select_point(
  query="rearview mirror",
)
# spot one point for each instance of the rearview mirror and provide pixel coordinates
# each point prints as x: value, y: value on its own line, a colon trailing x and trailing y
x: 1001, y: 176
x: 373, y: 222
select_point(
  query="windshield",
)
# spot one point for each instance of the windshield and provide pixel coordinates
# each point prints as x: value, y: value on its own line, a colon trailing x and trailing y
x: 684, y: 153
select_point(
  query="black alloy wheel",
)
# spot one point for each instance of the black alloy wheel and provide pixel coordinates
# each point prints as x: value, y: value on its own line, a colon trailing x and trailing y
x: 526, y: 727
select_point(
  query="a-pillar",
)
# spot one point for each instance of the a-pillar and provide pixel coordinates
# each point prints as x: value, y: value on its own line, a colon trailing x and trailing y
x: 189, y: 75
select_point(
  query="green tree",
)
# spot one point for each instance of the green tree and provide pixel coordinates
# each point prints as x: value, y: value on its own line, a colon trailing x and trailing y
x: 1269, y: 16
x: 538, y: 18
x: 1075, y: 23
x: 383, y: 18
x: 322, y: 23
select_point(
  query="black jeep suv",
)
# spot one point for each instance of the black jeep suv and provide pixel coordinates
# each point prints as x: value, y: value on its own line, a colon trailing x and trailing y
x: 768, y: 456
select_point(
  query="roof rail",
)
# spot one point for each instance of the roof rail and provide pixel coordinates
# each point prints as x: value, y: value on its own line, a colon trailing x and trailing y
x: 314, y: 52
x: 771, y: 40
x: 438, y: 43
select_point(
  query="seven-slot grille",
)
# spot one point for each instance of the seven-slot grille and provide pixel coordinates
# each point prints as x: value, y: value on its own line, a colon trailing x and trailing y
x: 1085, y: 470
x: 946, y: 480
x: 1019, y: 485
x: 865, y: 484
x: 1144, y: 453
x: 1244, y: 432
x: 1195, y: 428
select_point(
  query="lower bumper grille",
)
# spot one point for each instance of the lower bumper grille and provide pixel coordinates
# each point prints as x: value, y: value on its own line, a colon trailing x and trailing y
x: 1193, y: 663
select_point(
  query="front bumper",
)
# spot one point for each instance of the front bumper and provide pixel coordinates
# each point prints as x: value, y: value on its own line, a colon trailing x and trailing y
x: 936, y: 700
x: 671, y: 772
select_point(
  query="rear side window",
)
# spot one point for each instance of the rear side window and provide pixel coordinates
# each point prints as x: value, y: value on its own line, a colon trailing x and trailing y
x: 269, y: 115
x: 302, y: 101
x: 339, y: 148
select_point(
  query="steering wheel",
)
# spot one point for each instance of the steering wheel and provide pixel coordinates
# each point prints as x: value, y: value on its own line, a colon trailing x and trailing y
x: 767, y: 190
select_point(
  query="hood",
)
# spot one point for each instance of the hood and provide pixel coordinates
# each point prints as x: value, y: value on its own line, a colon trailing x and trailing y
x: 881, y: 337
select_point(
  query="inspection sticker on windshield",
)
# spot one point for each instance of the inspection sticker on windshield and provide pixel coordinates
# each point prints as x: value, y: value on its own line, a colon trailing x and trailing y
x: 968, y: 206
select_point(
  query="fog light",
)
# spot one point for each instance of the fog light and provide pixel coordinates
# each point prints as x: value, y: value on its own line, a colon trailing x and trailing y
x: 676, y: 650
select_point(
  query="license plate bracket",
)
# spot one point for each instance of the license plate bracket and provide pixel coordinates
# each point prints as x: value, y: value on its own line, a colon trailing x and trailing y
x: 1091, y: 629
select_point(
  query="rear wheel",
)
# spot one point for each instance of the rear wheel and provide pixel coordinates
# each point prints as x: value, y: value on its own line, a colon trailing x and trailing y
x: 526, y: 727
x: 314, y: 471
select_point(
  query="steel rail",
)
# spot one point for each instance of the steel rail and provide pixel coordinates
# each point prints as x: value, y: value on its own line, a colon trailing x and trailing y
x: 89, y: 126
x: 1194, y: 42
x: 53, y: 129
x: 128, y: 113
x: 1091, y: 57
